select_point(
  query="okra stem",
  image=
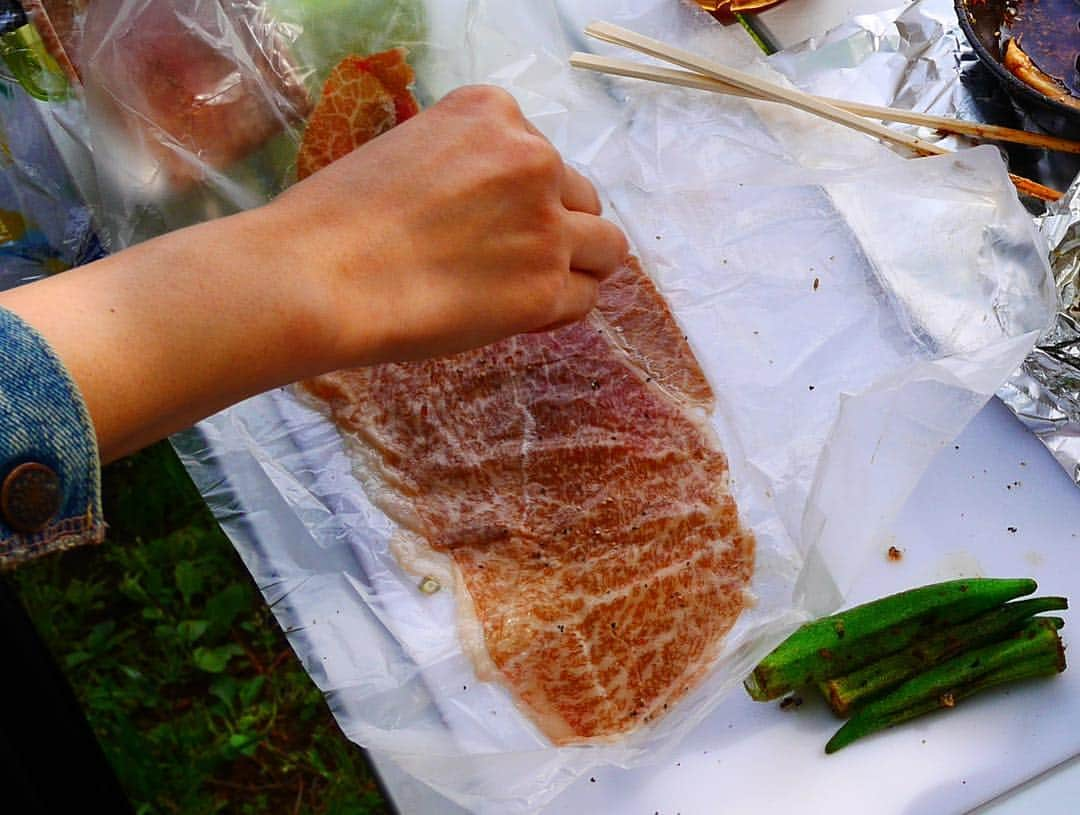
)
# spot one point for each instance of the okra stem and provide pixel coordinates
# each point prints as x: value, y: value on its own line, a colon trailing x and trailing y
x: 836, y: 645
x: 1035, y: 650
x: 845, y: 692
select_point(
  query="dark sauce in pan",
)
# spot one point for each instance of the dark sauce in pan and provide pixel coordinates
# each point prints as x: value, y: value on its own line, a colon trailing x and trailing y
x: 1049, y: 32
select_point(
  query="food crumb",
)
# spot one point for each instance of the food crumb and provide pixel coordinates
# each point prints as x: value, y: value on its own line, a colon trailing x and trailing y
x: 895, y: 553
x: 592, y: 780
x: 429, y: 585
x: 1012, y: 529
x: 948, y: 700
x: 790, y: 702
x: 817, y: 282
x: 811, y: 387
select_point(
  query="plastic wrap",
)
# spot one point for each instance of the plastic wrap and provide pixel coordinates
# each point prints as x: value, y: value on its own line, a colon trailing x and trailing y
x: 917, y: 57
x: 46, y: 222
x: 851, y: 309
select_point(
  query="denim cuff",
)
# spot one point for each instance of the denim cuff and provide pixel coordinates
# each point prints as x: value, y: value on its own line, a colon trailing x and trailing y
x: 50, y: 472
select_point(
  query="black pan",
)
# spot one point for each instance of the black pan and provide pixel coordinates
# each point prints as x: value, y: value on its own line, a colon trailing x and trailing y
x: 1049, y: 32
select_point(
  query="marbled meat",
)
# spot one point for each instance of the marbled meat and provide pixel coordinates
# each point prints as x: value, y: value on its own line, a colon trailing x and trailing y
x: 571, y: 478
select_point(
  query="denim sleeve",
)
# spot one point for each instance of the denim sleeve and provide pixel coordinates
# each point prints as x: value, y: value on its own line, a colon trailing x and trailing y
x: 50, y: 473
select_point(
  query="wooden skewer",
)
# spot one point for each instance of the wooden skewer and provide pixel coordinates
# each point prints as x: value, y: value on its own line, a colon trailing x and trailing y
x: 617, y: 35
x: 1035, y: 189
x: 943, y: 124
x: 708, y: 75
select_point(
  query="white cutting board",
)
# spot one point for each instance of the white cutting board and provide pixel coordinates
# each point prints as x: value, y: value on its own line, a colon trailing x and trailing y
x: 754, y: 758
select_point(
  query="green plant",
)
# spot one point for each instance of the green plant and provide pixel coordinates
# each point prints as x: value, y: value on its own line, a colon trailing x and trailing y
x: 184, y: 675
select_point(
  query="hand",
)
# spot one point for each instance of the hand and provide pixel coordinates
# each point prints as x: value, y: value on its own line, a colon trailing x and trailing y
x: 457, y: 228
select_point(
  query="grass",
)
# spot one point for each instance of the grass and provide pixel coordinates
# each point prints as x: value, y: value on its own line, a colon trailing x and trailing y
x: 185, y: 677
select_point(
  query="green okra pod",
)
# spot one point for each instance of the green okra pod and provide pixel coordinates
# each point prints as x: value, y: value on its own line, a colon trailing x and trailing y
x: 836, y: 645
x: 1035, y: 650
x: 843, y: 693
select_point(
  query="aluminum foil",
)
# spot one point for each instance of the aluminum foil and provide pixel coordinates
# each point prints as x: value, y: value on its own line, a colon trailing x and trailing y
x: 1045, y: 392
x: 917, y: 57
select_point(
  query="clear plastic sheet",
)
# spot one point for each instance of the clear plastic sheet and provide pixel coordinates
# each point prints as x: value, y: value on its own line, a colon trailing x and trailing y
x: 917, y: 57
x: 46, y: 221
x: 852, y: 310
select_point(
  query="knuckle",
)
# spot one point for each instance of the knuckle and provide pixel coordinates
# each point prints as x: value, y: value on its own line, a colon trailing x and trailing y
x: 622, y: 244
x: 534, y: 159
x: 549, y: 222
x: 550, y: 295
x: 551, y: 241
x: 592, y: 296
x: 595, y: 206
x: 546, y: 158
x: 486, y: 99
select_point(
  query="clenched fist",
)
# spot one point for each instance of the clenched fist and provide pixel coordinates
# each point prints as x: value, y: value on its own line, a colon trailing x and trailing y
x: 457, y: 228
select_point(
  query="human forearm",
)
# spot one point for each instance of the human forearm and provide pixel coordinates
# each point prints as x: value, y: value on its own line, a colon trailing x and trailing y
x: 170, y: 331
x: 458, y: 228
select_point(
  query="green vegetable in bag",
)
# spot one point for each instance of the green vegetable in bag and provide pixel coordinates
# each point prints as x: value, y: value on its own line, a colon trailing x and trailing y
x: 330, y: 30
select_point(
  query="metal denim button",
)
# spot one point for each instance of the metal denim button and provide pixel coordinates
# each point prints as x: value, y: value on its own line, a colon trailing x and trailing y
x: 30, y: 497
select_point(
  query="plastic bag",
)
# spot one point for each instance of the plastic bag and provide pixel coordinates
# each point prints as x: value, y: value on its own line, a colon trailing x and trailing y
x: 852, y: 310
x: 46, y: 222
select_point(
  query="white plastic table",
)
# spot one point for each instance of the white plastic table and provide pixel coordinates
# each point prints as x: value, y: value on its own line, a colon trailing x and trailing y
x: 993, y: 503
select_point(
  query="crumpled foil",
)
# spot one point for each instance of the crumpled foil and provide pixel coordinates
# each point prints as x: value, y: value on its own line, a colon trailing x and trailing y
x: 918, y: 58
x: 1045, y: 392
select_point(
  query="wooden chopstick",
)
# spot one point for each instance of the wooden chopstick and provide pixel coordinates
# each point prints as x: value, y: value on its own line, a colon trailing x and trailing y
x: 760, y: 89
x: 617, y: 35
x: 1035, y: 189
x: 942, y: 124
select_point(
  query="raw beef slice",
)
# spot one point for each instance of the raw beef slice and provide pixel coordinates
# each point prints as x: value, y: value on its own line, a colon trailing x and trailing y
x: 583, y: 501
